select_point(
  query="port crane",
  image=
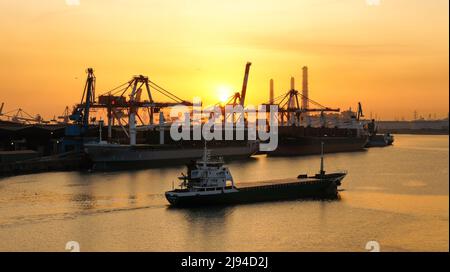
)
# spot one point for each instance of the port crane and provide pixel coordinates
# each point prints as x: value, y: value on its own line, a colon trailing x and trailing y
x: 291, y: 112
x: 80, y: 114
x: 239, y: 98
x: 123, y: 104
x: 21, y: 116
x: 127, y: 100
x: 65, y: 117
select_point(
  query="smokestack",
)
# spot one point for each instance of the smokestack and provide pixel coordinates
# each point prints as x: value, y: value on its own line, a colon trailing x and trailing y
x: 271, y: 92
x: 292, y: 83
x: 305, y: 102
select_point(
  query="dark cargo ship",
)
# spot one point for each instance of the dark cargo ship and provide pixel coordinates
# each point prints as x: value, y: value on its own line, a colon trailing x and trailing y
x: 106, y: 156
x: 298, y: 141
x: 209, y: 182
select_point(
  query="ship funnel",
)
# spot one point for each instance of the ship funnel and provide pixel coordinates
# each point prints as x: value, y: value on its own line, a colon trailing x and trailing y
x: 271, y: 94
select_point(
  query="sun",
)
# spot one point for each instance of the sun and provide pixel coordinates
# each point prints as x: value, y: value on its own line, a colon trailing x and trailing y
x: 224, y: 93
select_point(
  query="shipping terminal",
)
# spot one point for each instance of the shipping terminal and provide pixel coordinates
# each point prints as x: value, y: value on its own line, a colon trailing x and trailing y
x: 137, y: 130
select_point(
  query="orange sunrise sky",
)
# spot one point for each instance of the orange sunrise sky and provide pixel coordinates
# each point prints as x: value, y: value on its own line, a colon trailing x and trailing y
x: 393, y: 57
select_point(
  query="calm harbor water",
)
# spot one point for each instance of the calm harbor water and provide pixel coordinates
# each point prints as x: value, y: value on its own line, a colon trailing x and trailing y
x: 397, y: 196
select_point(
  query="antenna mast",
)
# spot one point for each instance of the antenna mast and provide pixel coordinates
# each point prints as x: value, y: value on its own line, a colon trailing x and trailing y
x: 322, y: 172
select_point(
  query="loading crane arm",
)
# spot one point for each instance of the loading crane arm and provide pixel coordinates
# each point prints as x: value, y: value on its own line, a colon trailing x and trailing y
x: 360, y: 112
x: 244, y: 84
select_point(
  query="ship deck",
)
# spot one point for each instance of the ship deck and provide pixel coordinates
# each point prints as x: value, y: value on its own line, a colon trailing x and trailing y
x: 283, y: 181
x: 272, y: 182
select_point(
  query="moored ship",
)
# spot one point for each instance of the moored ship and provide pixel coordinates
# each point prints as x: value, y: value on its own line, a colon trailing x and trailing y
x: 106, y: 156
x: 209, y: 182
x: 297, y: 141
x: 302, y: 128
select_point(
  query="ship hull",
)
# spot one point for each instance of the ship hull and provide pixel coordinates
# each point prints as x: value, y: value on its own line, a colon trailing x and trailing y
x: 301, y: 146
x: 318, y: 189
x: 300, y: 141
x: 113, y: 157
x: 379, y: 141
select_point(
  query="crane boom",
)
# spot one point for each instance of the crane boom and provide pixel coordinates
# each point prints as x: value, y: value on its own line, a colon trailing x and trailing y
x: 81, y: 113
x: 360, y: 111
x: 244, y: 84
x: 90, y: 94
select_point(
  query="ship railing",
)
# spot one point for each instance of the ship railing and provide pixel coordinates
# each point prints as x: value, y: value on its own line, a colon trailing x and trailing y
x: 208, y: 188
x: 211, y: 161
x: 342, y: 171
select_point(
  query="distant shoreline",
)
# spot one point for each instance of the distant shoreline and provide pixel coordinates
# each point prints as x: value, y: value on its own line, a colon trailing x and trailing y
x: 416, y: 131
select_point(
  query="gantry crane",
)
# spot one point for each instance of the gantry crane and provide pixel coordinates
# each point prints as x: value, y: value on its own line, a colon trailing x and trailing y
x: 22, y: 117
x: 125, y: 100
x: 289, y: 107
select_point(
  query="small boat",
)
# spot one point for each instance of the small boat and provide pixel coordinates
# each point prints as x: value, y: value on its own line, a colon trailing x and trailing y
x: 376, y: 139
x: 209, y: 182
x: 380, y: 140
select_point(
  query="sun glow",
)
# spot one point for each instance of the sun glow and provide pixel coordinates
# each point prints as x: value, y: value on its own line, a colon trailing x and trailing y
x: 206, y: 50
x: 224, y: 93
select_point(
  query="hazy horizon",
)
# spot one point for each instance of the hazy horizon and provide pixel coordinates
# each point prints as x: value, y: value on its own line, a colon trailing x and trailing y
x: 392, y: 57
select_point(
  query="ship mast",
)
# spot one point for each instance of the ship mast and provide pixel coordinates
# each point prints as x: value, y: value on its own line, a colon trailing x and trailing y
x: 322, y: 172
